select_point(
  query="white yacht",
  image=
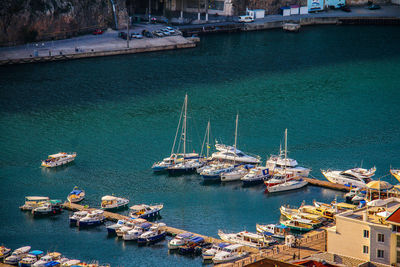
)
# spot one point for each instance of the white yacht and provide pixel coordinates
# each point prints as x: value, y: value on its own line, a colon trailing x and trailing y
x: 58, y: 159
x: 246, y: 238
x: 17, y: 255
x: 229, y: 253
x: 214, y: 173
x: 234, y: 175
x: 208, y: 254
x: 136, y: 232
x: 111, y: 202
x: 77, y: 216
x: 350, y: 177
x: 129, y: 225
x: 171, y: 160
x: 179, y: 240
x: 287, y: 185
x: 255, y: 176
x: 93, y: 218
x: 281, y: 163
x: 275, y: 230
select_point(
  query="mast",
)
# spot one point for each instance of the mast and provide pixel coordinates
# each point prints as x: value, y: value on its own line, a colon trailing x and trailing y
x: 184, y: 129
x: 237, y: 121
x: 208, y: 138
x: 177, y: 129
x: 285, y: 152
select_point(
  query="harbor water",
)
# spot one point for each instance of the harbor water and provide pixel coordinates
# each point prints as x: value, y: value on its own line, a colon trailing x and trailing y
x: 336, y: 89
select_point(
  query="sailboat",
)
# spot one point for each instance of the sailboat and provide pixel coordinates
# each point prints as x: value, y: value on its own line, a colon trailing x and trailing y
x: 174, y: 157
x: 232, y: 154
x: 395, y: 173
x: 287, y: 185
x: 187, y: 165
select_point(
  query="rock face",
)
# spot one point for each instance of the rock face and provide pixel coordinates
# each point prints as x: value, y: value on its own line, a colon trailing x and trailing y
x: 24, y: 21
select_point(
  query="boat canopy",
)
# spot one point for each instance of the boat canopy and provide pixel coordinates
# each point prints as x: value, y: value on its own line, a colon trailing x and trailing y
x: 75, y: 192
x: 222, y: 245
x: 108, y: 198
x: 52, y: 263
x: 36, y: 252
x: 33, y: 198
x: 196, y: 239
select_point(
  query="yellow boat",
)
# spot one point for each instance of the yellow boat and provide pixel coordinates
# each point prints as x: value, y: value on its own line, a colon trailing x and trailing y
x: 345, y: 206
x: 395, y: 173
x: 290, y: 213
x: 323, y: 211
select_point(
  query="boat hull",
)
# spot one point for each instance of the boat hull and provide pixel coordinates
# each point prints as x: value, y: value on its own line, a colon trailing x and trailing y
x: 215, y: 177
x: 180, y: 171
x: 83, y: 224
x: 252, y: 182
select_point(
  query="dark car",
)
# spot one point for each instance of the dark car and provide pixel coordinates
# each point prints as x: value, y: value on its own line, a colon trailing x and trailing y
x: 98, y: 31
x: 374, y: 7
x: 345, y: 8
x: 123, y: 35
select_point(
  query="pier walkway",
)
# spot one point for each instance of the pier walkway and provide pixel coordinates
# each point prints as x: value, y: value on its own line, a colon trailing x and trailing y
x: 326, y: 184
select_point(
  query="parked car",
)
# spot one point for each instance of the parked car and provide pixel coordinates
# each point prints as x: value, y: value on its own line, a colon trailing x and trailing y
x: 136, y: 35
x: 245, y: 19
x: 345, y: 8
x: 147, y: 34
x: 98, y: 32
x: 374, y: 7
x: 123, y: 35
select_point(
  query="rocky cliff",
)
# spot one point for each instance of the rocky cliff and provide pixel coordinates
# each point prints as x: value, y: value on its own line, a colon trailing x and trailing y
x: 24, y: 21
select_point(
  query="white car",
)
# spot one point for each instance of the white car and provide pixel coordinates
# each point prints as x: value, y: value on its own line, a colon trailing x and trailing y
x: 245, y: 19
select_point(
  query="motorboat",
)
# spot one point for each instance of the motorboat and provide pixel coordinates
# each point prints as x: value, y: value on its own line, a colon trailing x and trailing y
x: 71, y: 263
x: 129, y: 225
x: 187, y: 166
x: 214, y: 173
x: 77, y: 216
x: 50, y: 257
x: 291, y: 213
x: 145, y: 211
x: 111, y: 229
x: 236, y: 174
x: 395, y: 173
x: 255, y: 176
x: 93, y: 218
x: 302, y: 225
x: 111, y: 202
x: 31, y: 258
x: 17, y: 255
x: 190, y: 246
x: 322, y: 210
x: 352, y: 193
x: 351, y: 177
x: 155, y: 234
x: 287, y: 185
x: 229, y: 253
x: 76, y: 195
x: 58, y: 159
x: 247, y: 239
x: 4, y: 253
x: 171, y: 160
x: 136, y: 232
x: 278, y: 178
x: 50, y: 207
x: 208, y: 254
x: 179, y: 240
x: 281, y: 163
x: 32, y: 202
x: 275, y: 230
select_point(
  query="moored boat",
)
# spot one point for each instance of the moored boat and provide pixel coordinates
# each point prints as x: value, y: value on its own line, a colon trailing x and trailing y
x: 247, y: 239
x: 76, y: 195
x: 155, y: 234
x: 111, y: 202
x: 50, y: 257
x: 111, y: 229
x: 50, y: 207
x: 31, y: 258
x: 214, y: 173
x: 136, y: 232
x: 17, y: 255
x: 32, y: 202
x: 208, y: 254
x: 145, y: 211
x: 298, y: 224
x: 4, y: 253
x: 179, y: 240
x: 229, y: 253
x: 395, y: 173
x: 278, y: 178
x: 287, y: 186
x: 255, y: 176
x: 190, y: 246
x: 77, y: 216
x: 236, y: 174
x: 171, y: 160
x: 93, y: 218
x: 275, y: 230
x: 58, y: 159
x: 352, y: 177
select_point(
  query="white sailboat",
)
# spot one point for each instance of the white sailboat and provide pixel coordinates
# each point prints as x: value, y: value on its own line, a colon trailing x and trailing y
x: 287, y: 185
x: 232, y: 154
x: 187, y: 165
x: 175, y: 158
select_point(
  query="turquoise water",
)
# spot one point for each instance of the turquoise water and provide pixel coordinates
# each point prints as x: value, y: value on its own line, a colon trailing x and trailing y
x: 336, y: 89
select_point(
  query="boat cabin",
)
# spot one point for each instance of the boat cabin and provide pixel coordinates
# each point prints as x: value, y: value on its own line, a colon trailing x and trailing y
x: 34, y: 202
x: 255, y: 239
x: 140, y: 209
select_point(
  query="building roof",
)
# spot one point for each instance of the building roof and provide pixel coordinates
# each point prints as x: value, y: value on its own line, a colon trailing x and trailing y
x: 395, y: 216
x: 314, y: 263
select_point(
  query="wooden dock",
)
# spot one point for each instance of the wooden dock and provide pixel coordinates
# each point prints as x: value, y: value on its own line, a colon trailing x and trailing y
x: 326, y: 184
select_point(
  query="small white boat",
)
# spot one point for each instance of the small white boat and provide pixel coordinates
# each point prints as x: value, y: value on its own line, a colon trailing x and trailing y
x: 247, y: 239
x: 153, y: 235
x: 58, y: 159
x: 32, y: 202
x: 111, y: 229
x: 229, y: 253
x: 255, y: 176
x: 275, y: 230
x: 187, y: 166
x: 232, y: 154
x: 129, y: 225
x: 179, y: 240
x: 76, y: 195
x: 136, y: 232
x: 17, y: 255
x: 31, y: 258
x: 4, y: 253
x: 352, y: 177
x: 172, y: 160
x: 69, y: 263
x: 208, y: 254
x: 93, y: 218
x: 52, y: 256
x: 145, y: 211
x: 235, y: 175
x: 287, y: 185
x: 77, y: 216
x: 111, y: 202
x: 215, y: 172
x: 50, y: 207
x: 278, y: 179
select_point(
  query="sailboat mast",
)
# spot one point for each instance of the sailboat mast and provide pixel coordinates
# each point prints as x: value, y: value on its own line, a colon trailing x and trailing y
x: 177, y: 129
x: 184, y: 129
x: 285, y: 153
x: 208, y: 138
x: 237, y: 121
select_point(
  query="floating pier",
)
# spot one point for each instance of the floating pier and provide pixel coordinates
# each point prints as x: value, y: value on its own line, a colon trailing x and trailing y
x: 325, y: 184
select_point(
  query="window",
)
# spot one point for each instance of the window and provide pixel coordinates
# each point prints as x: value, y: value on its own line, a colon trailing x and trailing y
x: 381, y: 238
x: 398, y: 241
x: 366, y: 233
x: 381, y: 254
x: 398, y: 257
x: 365, y: 249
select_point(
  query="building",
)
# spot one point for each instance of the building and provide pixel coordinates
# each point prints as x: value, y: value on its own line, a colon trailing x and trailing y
x: 370, y: 234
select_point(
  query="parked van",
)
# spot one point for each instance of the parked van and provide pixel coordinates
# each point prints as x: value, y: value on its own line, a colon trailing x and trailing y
x: 246, y: 19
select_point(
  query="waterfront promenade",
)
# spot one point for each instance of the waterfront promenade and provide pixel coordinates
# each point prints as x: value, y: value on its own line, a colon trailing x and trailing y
x: 110, y: 44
